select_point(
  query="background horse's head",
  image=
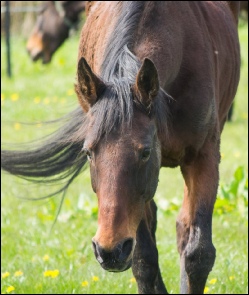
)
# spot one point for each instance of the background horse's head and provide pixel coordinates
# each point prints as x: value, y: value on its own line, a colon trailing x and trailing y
x: 52, y: 28
x: 125, y: 163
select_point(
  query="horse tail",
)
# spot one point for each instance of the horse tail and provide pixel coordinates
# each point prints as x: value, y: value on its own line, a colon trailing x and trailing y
x: 235, y: 9
x: 54, y: 159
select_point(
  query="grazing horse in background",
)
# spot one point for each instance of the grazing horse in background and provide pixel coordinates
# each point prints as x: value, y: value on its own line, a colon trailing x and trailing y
x: 155, y: 81
x: 52, y: 28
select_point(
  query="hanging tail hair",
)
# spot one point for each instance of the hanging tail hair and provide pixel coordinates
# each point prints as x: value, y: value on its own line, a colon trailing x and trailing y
x: 56, y: 158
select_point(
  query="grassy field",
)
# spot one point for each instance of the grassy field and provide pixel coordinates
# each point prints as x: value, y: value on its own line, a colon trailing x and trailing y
x: 41, y: 259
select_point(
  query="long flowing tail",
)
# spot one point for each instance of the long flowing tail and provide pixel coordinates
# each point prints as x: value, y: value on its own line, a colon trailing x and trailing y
x: 57, y: 158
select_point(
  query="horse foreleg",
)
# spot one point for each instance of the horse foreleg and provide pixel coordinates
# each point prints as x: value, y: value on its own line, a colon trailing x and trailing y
x: 194, y: 223
x: 145, y: 265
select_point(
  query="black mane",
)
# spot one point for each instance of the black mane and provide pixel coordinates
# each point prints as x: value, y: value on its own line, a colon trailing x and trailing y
x: 114, y: 109
x: 119, y: 69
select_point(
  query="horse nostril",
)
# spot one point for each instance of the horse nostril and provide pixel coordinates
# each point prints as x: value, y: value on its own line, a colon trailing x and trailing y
x: 94, y: 247
x: 96, y: 250
x: 101, y: 254
x: 119, y: 254
x: 124, y: 249
x: 127, y: 246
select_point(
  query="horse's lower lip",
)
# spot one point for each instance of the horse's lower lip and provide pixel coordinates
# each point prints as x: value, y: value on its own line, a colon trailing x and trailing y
x: 116, y: 267
x: 40, y: 55
x: 46, y: 60
x: 36, y: 56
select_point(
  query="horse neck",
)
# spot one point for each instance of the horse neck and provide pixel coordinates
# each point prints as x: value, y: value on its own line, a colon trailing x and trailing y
x: 96, y: 32
x: 161, y: 41
x: 103, y: 30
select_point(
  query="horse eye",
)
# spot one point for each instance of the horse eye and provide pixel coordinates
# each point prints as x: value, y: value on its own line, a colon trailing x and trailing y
x: 146, y: 154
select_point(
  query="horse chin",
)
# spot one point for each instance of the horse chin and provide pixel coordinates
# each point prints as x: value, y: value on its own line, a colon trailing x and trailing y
x: 116, y: 267
x: 35, y: 55
x: 46, y: 59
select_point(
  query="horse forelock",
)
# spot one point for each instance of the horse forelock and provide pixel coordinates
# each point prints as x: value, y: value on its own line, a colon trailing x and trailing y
x: 114, y: 109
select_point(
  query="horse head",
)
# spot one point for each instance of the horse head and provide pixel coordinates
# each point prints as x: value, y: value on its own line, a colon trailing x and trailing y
x: 52, y: 28
x: 125, y: 163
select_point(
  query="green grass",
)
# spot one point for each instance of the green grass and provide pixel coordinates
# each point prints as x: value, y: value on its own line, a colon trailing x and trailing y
x: 46, y: 93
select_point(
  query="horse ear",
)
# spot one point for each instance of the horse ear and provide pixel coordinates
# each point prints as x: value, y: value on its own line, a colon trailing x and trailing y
x: 147, y: 84
x: 89, y: 86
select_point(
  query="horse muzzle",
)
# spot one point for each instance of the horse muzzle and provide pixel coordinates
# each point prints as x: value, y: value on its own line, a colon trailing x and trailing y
x: 118, y: 259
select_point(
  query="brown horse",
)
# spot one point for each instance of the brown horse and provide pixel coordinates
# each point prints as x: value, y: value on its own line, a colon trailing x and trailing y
x: 155, y: 82
x: 52, y: 28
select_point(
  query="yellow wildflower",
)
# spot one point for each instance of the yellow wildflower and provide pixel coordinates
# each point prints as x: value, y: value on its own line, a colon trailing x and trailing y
x: 231, y: 278
x: 51, y: 273
x: 55, y: 273
x: 2, y: 96
x: 84, y: 284
x: 18, y: 273
x: 237, y: 154
x: 5, y: 274
x: 47, y: 273
x: 10, y: 289
x: 95, y: 278
x: 70, y: 92
x: 63, y: 100
x: 37, y: 99
x: 245, y: 115
x: 46, y: 100
x: 61, y: 61
x: 213, y: 281
x: 17, y: 126
x: 133, y: 280
x: 206, y: 290
x: 14, y: 96
x: 222, y: 155
x: 45, y: 257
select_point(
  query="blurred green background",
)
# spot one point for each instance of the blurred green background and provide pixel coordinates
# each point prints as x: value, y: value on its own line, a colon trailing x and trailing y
x: 37, y: 258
